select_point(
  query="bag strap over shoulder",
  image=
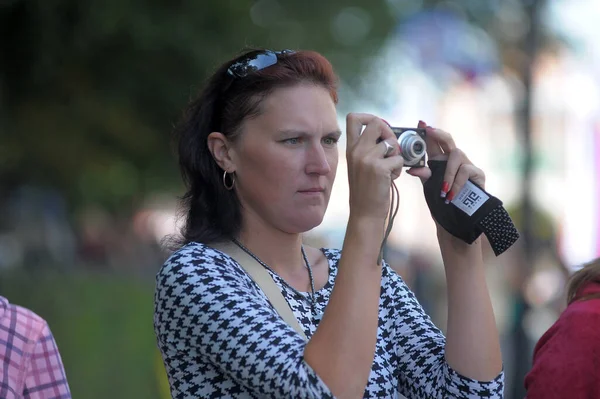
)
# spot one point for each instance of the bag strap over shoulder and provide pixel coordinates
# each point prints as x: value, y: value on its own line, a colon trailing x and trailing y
x: 263, y: 279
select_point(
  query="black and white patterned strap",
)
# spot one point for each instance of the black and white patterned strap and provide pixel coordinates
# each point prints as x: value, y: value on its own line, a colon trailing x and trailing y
x: 499, y: 229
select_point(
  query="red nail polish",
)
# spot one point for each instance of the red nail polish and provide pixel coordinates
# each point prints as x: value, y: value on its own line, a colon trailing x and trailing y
x: 449, y: 197
x: 445, y: 189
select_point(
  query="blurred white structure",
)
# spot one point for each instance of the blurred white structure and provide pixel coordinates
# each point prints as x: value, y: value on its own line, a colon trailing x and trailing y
x: 480, y: 110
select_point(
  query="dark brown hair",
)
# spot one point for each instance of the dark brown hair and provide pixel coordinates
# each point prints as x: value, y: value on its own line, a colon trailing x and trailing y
x: 212, y: 213
x: 590, y: 273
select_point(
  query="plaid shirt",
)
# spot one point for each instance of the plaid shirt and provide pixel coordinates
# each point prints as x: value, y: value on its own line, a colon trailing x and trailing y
x: 30, y: 365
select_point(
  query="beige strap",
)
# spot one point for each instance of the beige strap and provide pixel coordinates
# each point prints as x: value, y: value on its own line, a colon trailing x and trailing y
x: 262, y: 277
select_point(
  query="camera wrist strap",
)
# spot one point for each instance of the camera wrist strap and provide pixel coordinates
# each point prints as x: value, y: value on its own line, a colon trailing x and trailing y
x: 393, y: 211
x: 473, y: 211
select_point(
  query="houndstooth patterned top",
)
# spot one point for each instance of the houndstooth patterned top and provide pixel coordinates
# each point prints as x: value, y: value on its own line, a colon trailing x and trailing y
x: 220, y: 337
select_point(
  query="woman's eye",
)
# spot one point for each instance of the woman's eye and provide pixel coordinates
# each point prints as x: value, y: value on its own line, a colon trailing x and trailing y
x: 330, y: 140
x: 293, y: 140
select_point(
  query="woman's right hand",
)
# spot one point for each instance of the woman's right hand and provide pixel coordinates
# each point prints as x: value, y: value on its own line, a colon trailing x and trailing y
x: 371, y: 167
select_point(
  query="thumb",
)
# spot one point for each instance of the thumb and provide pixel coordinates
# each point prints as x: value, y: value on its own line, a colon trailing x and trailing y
x: 423, y: 173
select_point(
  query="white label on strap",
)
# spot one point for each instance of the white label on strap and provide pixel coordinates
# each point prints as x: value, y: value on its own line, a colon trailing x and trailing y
x: 470, y: 198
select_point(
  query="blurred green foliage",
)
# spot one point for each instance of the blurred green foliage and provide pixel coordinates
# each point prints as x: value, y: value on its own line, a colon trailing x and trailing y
x: 89, y: 90
x: 103, y: 328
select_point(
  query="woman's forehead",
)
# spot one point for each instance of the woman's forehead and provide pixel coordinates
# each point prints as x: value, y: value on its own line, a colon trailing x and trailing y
x: 304, y: 105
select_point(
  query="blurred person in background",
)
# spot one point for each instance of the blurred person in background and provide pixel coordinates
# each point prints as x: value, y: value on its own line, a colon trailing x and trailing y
x: 258, y: 152
x: 566, y: 359
x: 30, y: 364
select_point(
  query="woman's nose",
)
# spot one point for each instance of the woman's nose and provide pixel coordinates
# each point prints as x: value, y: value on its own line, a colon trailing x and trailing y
x: 317, y: 161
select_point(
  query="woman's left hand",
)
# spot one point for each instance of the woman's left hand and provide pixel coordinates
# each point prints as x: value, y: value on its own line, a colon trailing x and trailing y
x: 440, y: 147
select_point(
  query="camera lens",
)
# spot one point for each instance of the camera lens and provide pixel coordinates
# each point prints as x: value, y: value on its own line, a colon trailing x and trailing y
x: 412, y: 146
x: 418, y: 147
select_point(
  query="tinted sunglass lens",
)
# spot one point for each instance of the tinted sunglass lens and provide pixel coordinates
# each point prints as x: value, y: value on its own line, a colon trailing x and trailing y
x: 256, y: 63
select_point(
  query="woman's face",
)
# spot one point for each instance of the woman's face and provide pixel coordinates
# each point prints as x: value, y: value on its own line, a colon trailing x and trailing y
x: 286, y: 159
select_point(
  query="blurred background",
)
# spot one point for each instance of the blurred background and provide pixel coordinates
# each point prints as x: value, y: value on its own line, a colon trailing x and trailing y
x: 89, y: 92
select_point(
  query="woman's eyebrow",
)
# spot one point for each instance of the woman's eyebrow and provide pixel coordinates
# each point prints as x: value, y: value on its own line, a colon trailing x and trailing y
x: 291, y: 133
x: 303, y: 132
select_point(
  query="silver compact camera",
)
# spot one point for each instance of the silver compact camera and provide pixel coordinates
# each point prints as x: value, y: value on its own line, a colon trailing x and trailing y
x: 412, y: 144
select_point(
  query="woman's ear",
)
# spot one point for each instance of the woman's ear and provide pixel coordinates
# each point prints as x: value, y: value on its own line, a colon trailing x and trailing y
x: 220, y: 148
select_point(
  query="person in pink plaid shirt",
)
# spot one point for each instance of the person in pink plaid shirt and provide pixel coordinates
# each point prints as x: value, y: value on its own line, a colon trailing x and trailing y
x: 30, y: 365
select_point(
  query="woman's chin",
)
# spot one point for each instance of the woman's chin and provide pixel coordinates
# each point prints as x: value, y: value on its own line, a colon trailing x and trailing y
x: 306, y: 223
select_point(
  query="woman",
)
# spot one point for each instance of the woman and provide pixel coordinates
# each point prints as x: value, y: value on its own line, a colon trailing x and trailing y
x: 258, y: 151
x: 566, y: 359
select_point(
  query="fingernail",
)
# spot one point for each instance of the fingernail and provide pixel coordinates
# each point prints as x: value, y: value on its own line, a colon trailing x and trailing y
x: 420, y: 121
x: 445, y: 189
x: 449, y: 197
x: 386, y: 122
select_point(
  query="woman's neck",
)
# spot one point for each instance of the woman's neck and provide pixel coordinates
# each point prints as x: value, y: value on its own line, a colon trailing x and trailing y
x: 281, y: 251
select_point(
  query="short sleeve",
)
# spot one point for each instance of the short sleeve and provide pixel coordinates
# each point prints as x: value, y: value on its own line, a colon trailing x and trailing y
x: 45, y: 376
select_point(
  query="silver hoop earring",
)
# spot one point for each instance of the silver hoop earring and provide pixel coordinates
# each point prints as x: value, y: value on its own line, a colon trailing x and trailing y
x: 228, y: 187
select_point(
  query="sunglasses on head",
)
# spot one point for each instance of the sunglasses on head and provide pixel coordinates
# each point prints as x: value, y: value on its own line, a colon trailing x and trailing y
x: 255, y: 62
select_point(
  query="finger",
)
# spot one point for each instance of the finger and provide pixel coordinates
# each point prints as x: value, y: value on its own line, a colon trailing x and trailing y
x: 391, y: 147
x: 393, y: 163
x: 396, y: 173
x: 423, y: 173
x: 466, y: 172
x: 442, y: 139
x: 375, y: 130
x: 456, y: 158
x: 385, y: 149
x: 433, y: 148
x: 354, y: 126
